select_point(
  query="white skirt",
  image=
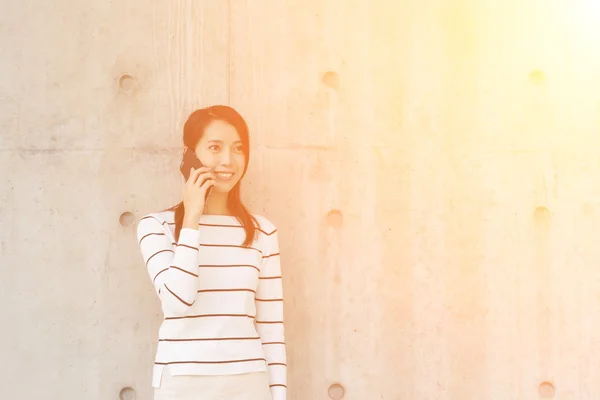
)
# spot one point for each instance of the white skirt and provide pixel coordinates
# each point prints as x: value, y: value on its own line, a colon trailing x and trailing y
x: 251, y: 386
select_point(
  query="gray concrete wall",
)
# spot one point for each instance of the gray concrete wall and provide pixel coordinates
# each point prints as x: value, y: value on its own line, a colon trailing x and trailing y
x: 432, y: 168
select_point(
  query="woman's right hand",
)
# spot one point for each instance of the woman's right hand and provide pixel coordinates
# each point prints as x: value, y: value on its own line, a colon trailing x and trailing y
x: 194, y: 191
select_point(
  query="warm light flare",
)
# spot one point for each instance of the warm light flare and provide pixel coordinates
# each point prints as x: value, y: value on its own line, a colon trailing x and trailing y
x: 587, y: 19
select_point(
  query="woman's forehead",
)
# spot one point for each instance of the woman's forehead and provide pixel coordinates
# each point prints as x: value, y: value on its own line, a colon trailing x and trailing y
x: 221, y: 131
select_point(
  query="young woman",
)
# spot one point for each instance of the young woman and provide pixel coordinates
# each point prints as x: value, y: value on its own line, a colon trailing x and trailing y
x: 215, y: 268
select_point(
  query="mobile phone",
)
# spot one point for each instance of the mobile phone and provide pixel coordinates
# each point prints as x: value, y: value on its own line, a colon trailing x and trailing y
x: 188, y: 161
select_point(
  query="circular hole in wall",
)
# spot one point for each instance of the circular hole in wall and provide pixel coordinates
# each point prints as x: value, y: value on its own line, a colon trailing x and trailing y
x: 335, y: 219
x: 336, y: 391
x: 331, y: 79
x: 127, y: 393
x: 537, y: 77
x: 126, y: 219
x: 546, y: 390
x: 126, y: 82
x: 541, y: 215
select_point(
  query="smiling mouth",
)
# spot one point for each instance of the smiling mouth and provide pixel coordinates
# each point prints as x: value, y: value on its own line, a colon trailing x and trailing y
x: 224, y: 175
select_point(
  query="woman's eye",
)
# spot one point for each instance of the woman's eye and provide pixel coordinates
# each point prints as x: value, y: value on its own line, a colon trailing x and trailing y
x: 239, y: 149
x: 214, y: 147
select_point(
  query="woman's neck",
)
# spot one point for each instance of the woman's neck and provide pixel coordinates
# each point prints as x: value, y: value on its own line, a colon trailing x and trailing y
x: 216, y: 204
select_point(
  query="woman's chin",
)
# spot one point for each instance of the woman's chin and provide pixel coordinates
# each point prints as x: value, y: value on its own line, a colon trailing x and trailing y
x: 223, y: 187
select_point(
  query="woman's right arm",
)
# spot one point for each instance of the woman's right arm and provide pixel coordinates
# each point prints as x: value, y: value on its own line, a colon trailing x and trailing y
x: 172, y: 267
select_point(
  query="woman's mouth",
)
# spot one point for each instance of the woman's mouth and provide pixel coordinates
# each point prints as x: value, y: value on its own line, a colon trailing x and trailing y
x: 224, y: 175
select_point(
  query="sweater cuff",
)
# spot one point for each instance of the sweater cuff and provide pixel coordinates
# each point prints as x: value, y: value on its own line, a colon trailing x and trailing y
x: 189, y: 236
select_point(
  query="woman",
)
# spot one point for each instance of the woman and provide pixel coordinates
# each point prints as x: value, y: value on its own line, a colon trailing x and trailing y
x: 215, y: 268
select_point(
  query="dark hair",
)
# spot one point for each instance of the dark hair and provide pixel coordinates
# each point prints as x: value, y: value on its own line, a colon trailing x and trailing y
x: 192, y: 132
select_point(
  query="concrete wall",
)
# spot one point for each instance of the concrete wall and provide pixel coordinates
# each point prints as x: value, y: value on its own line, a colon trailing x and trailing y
x: 432, y: 167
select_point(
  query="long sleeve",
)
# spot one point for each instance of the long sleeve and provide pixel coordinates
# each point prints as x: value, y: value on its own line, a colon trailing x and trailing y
x: 172, y: 267
x: 269, y: 318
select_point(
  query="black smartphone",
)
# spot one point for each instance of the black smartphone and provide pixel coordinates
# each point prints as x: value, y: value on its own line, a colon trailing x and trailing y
x: 188, y: 161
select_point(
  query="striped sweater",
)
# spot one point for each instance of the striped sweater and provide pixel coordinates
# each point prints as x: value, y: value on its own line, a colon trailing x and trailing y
x: 222, y: 303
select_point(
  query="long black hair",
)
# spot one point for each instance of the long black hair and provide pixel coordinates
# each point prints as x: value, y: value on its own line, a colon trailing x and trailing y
x: 192, y: 132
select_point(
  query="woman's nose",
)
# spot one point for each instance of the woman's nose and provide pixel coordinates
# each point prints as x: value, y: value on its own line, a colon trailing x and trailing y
x: 225, y: 158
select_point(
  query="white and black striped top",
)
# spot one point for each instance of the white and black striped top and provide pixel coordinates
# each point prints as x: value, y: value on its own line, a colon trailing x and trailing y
x: 222, y: 303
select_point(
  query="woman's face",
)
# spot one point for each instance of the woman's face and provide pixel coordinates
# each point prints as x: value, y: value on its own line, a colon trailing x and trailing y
x: 220, y: 148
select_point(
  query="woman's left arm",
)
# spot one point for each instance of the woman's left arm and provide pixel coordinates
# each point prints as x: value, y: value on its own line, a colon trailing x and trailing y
x: 269, y: 317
